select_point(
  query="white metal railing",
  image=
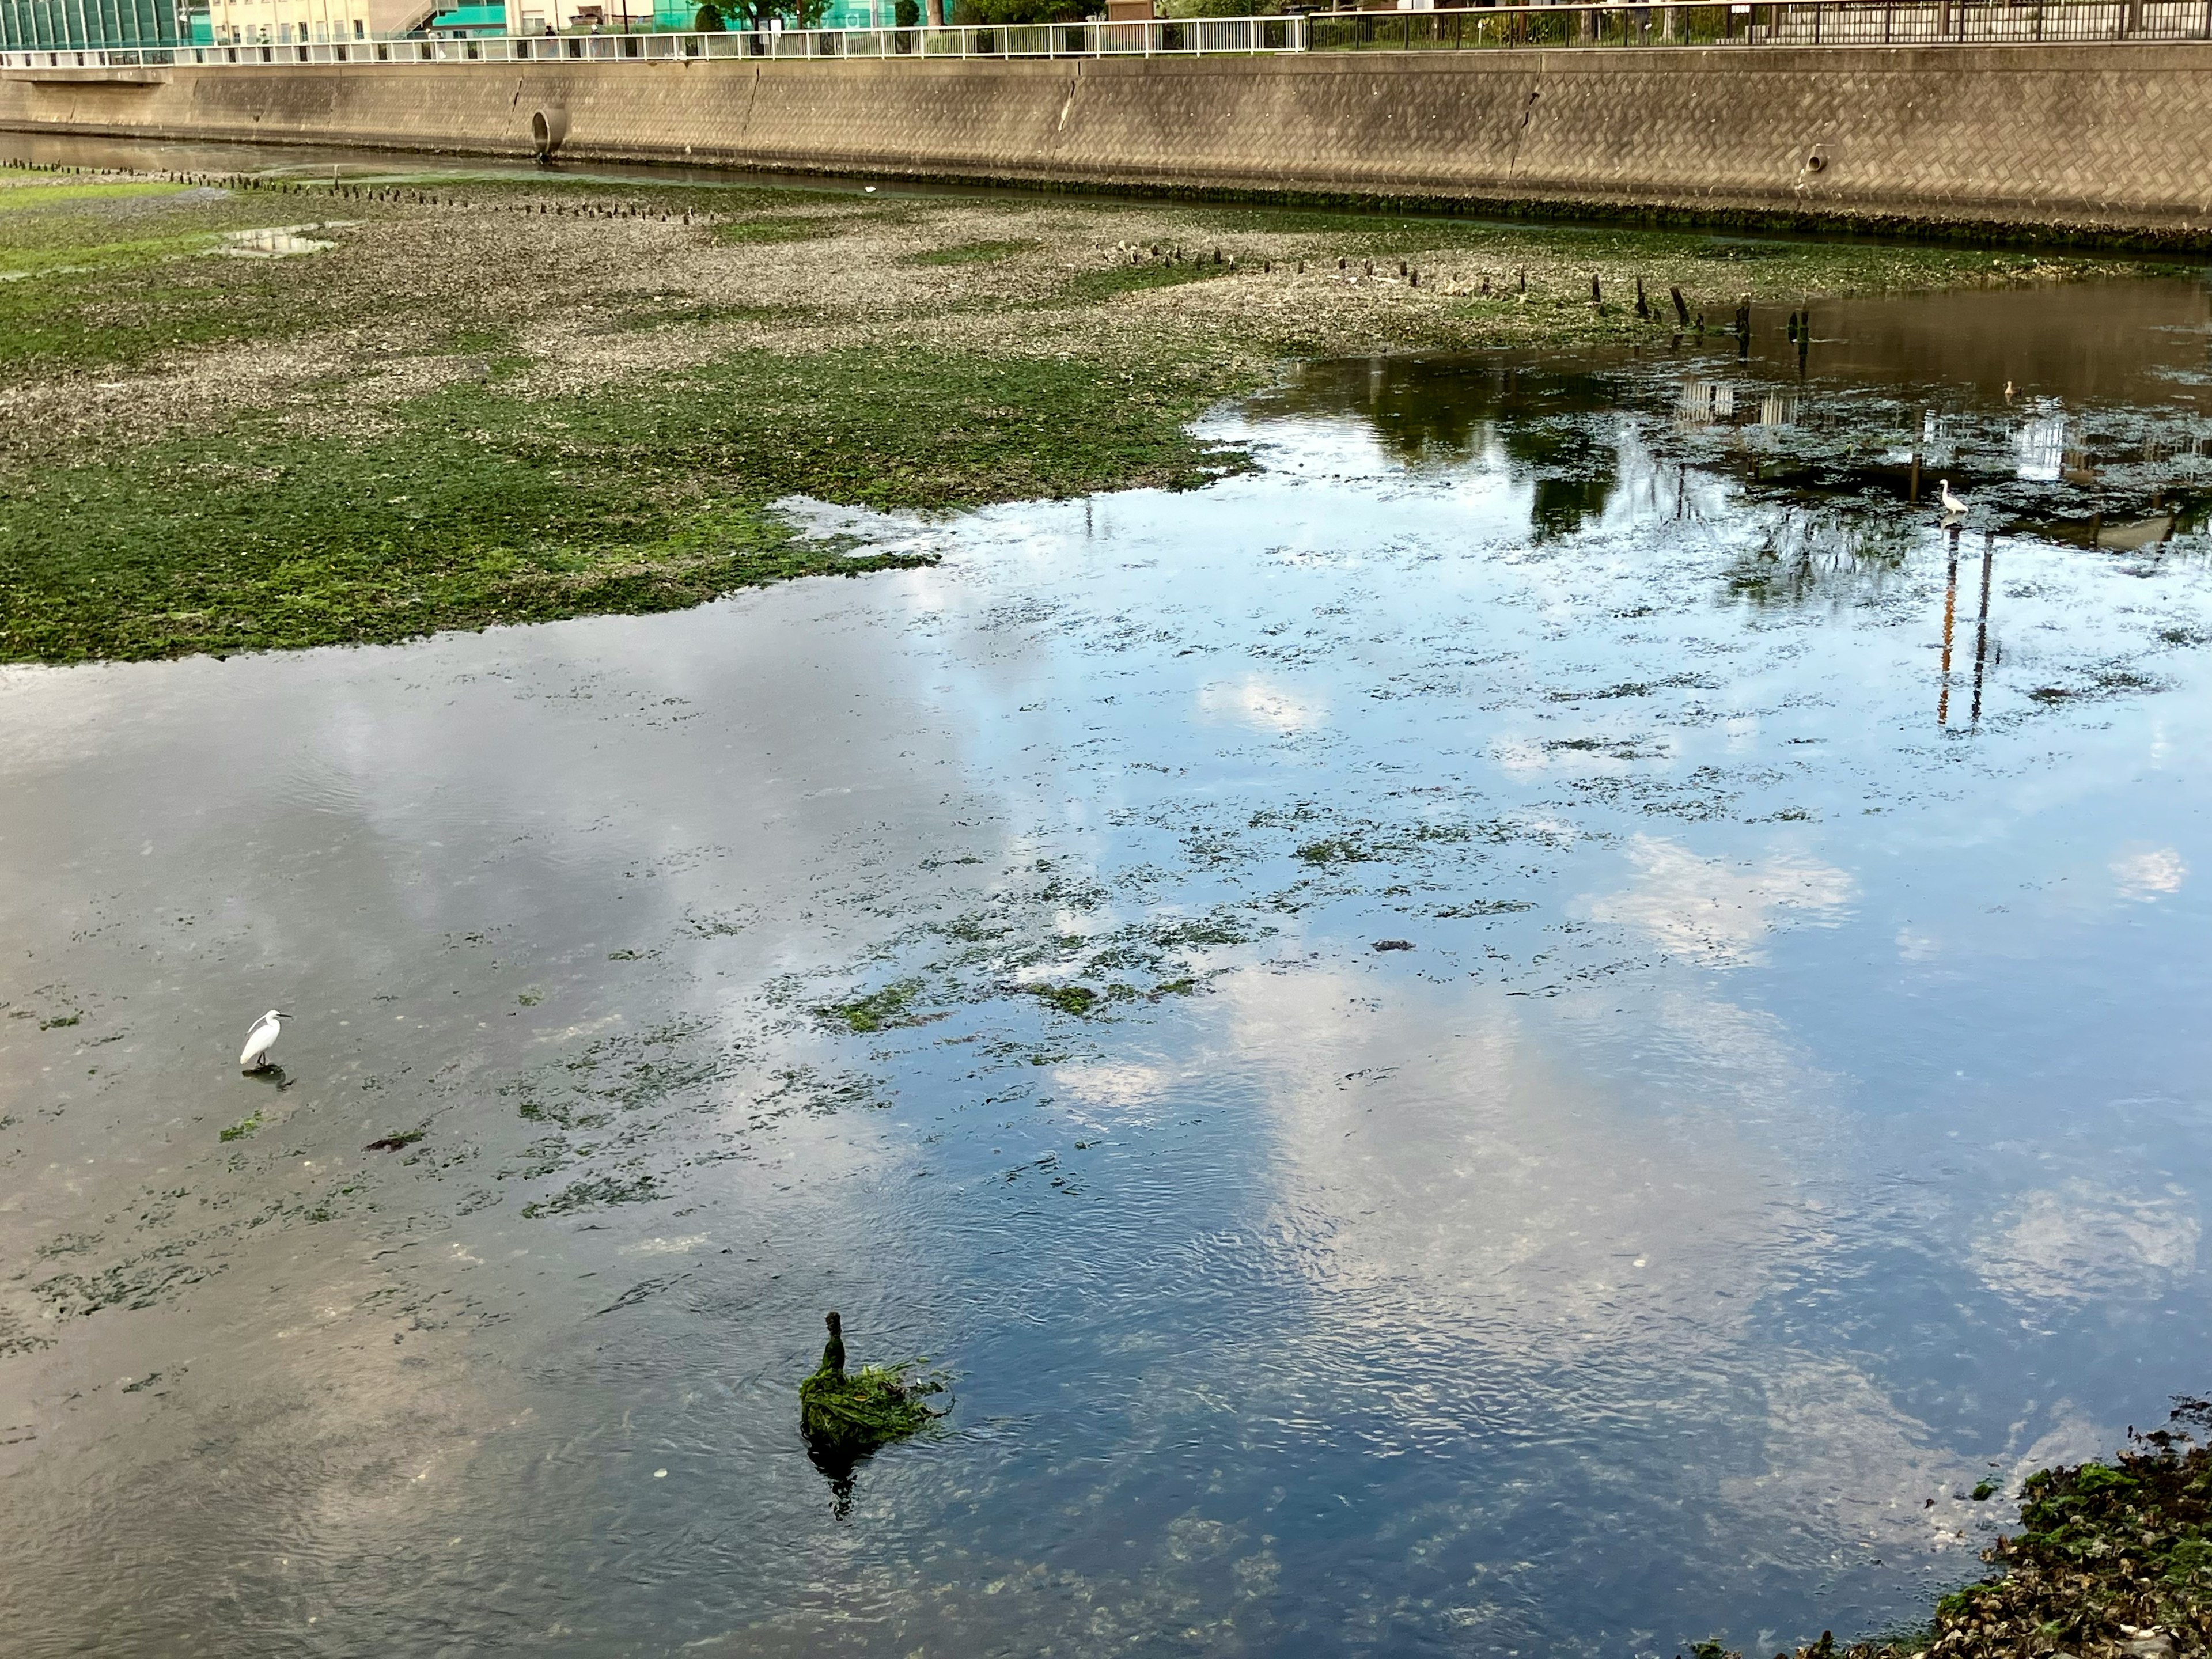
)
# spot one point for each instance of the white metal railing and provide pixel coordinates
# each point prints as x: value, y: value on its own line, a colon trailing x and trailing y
x: 1513, y: 24
x: 1163, y: 38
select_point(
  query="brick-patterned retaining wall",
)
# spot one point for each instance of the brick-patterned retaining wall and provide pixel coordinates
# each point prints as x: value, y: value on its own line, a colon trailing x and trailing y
x: 2110, y: 137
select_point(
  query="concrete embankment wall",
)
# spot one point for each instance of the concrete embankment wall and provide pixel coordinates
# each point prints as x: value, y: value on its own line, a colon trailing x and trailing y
x: 2096, y: 138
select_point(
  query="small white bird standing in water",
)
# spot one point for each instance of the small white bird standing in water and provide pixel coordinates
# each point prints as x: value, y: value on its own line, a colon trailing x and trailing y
x: 1954, y: 506
x: 254, y: 1057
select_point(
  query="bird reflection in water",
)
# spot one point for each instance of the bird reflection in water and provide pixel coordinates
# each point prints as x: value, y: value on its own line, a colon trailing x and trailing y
x: 838, y: 1467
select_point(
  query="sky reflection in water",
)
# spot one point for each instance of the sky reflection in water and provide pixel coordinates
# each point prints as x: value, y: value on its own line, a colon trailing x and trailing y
x: 1786, y: 1112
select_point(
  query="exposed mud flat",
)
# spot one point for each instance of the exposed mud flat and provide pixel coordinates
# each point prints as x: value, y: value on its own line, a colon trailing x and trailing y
x: 477, y: 395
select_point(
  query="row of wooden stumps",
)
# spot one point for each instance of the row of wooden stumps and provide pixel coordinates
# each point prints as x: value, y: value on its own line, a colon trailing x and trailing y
x: 1645, y: 310
x: 390, y: 194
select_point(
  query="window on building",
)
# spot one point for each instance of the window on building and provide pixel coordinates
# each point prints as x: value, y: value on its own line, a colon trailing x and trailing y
x: 360, y: 29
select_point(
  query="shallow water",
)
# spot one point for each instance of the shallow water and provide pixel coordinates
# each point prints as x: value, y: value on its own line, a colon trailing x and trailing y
x: 277, y: 242
x: 366, y: 164
x: 1786, y: 1108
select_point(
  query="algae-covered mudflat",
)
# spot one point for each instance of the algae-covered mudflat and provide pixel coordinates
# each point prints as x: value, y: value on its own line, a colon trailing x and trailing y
x: 482, y: 400
x: 1467, y: 997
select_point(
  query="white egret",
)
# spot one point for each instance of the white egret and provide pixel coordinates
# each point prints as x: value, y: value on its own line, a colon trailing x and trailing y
x: 1954, y: 506
x: 254, y: 1057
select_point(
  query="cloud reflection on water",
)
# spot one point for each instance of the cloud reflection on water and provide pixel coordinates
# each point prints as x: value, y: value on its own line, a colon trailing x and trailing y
x: 1720, y: 912
x: 2080, y: 1241
x: 2151, y: 873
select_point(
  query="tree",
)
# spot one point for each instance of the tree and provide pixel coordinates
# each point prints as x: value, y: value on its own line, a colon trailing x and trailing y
x: 709, y: 20
x: 973, y: 12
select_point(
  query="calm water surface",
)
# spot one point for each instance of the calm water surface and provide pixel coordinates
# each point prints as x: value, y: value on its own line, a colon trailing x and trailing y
x: 1648, y: 1034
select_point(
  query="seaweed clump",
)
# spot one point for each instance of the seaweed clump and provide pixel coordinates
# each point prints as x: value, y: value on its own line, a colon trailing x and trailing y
x: 2111, y: 1559
x: 846, y: 1415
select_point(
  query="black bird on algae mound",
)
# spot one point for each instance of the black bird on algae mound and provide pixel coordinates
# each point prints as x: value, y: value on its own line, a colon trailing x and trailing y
x: 848, y: 1416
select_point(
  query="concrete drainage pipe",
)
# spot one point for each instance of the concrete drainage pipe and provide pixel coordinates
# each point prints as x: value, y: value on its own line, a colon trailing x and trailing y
x: 548, y: 127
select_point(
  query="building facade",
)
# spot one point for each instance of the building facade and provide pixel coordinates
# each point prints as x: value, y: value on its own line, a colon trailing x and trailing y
x: 285, y: 22
x: 78, y: 25
x: 615, y: 16
x: 320, y: 23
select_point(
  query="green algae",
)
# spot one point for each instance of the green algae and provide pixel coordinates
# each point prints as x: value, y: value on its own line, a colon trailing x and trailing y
x: 594, y: 1193
x: 97, y: 282
x: 1334, y: 849
x: 476, y: 506
x: 876, y: 1010
x: 27, y: 197
x: 1091, y: 288
x: 971, y: 253
x: 1068, y: 999
x: 853, y: 1413
x: 243, y: 1127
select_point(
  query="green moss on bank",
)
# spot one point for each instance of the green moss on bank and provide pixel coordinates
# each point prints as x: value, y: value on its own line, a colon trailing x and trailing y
x: 2112, y: 1559
x: 106, y: 275
x: 475, y: 506
x: 33, y: 192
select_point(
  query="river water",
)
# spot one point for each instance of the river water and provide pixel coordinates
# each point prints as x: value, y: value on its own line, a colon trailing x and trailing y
x: 1645, y: 1037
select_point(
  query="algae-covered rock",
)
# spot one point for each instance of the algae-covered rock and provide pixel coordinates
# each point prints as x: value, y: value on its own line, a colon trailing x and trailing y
x: 2112, y: 1561
x: 850, y: 1415
x: 859, y: 1411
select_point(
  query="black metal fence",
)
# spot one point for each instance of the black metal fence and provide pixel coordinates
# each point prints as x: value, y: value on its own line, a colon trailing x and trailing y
x: 1782, y: 23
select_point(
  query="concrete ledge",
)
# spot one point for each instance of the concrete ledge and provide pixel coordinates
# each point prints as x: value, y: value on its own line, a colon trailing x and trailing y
x: 113, y: 77
x: 2100, y: 142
